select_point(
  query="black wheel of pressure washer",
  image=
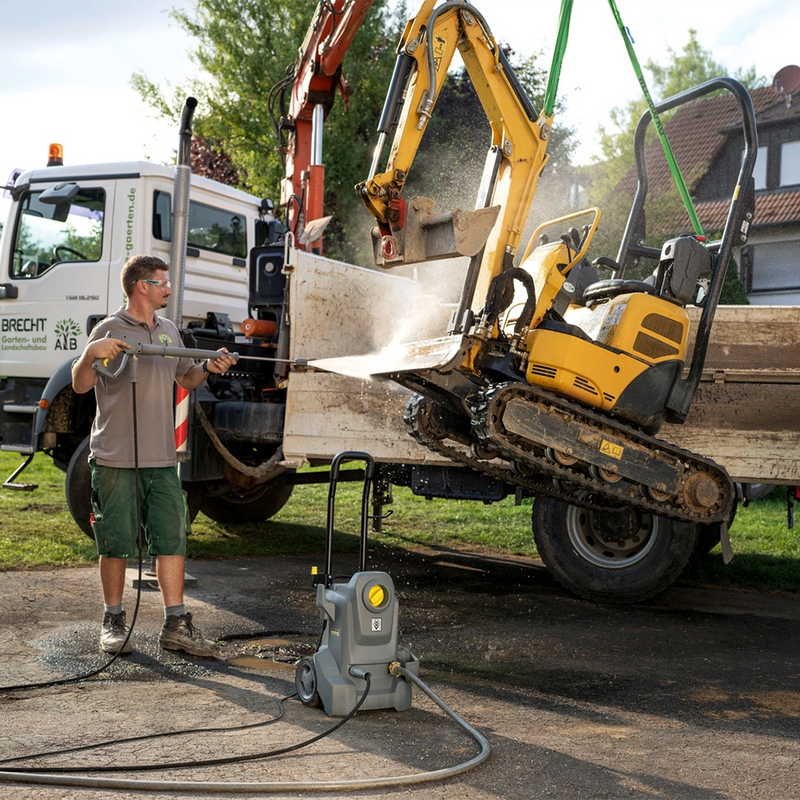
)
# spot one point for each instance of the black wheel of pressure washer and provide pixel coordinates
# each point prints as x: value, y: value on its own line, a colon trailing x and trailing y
x: 78, y: 488
x: 305, y: 681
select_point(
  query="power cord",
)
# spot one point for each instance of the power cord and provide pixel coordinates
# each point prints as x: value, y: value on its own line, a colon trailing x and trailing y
x: 149, y: 736
x: 200, y: 763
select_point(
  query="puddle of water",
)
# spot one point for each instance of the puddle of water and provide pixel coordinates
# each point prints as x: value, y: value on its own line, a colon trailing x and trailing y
x: 254, y: 662
x: 272, y: 653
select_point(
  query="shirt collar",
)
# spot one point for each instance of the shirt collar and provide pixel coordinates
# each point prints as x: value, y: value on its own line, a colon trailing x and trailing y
x: 128, y: 317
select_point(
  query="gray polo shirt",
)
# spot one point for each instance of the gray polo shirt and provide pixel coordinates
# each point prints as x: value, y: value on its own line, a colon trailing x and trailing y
x: 111, y: 444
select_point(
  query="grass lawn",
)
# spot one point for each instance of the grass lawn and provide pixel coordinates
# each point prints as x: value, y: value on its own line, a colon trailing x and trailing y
x: 36, y: 530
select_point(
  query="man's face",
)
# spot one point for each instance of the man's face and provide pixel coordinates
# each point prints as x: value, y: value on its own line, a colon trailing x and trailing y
x: 158, y: 289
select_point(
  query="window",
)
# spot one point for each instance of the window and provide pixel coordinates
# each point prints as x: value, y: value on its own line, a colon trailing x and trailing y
x: 776, y: 267
x: 790, y: 163
x: 760, y: 169
x: 210, y: 228
x: 48, y: 234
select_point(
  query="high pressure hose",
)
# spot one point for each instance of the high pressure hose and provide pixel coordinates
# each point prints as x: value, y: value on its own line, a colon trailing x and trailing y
x: 275, y: 787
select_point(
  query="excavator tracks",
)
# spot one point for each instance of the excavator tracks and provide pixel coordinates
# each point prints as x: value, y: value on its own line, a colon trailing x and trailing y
x: 549, y: 446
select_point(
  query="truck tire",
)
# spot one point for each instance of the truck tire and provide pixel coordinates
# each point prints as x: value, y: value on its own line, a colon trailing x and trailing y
x: 650, y: 553
x: 78, y: 488
x: 251, y: 505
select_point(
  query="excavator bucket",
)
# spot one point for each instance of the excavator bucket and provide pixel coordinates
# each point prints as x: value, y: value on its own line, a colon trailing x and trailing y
x: 443, y: 354
x: 428, y: 235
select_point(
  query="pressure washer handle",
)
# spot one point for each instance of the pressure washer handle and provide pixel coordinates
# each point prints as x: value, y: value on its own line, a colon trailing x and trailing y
x: 369, y: 471
x: 136, y: 348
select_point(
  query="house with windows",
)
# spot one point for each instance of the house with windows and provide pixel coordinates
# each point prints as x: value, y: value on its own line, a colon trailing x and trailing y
x: 707, y: 141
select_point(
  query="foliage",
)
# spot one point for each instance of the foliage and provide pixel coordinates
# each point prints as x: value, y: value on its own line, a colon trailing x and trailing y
x: 209, y: 159
x: 246, y: 47
x: 733, y: 291
x: 693, y: 66
x: 89, y: 243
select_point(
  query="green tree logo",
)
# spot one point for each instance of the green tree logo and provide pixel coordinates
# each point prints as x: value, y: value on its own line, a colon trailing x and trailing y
x: 66, y: 332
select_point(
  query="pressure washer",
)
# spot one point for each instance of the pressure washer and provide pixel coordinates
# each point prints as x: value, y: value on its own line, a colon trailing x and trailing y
x: 359, y: 626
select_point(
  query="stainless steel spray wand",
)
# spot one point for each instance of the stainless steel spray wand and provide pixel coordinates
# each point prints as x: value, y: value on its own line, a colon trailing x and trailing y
x: 136, y: 348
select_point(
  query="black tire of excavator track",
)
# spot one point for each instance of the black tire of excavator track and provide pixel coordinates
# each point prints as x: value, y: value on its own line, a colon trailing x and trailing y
x: 672, y: 552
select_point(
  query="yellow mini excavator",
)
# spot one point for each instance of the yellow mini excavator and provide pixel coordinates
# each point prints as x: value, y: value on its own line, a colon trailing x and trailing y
x: 550, y: 378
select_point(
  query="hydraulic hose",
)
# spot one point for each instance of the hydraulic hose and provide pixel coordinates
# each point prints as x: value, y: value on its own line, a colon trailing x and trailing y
x: 275, y: 787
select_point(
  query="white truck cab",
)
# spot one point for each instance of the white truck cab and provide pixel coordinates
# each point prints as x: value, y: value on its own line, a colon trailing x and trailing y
x: 68, y: 233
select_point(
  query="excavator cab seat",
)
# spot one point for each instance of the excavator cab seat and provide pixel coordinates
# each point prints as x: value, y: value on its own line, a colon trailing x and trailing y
x: 683, y: 260
x: 605, y: 290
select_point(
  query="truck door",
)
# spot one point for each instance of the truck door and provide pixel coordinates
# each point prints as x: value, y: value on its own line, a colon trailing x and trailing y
x: 55, y: 275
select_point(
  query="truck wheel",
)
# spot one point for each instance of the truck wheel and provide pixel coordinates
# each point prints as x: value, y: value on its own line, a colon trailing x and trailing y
x: 78, y: 488
x: 251, y: 505
x: 621, y: 557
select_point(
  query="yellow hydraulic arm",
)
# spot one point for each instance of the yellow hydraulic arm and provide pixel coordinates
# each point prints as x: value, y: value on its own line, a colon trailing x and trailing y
x: 490, y: 234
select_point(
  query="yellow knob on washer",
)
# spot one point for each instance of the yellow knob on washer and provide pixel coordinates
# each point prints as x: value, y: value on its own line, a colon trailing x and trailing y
x: 377, y: 595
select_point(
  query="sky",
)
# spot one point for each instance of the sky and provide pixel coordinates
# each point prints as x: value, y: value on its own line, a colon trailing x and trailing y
x: 65, y: 65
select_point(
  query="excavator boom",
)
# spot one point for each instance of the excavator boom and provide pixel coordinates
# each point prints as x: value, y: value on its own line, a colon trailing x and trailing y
x: 414, y: 232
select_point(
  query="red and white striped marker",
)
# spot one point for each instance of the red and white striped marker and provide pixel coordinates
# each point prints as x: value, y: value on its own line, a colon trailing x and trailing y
x: 181, y: 420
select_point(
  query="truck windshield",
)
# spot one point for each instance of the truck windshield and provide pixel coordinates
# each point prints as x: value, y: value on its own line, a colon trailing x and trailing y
x: 48, y: 234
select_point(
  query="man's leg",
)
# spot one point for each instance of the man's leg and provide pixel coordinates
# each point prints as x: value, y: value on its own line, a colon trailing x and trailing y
x: 167, y: 527
x: 170, y: 573
x: 114, y: 526
x: 112, y: 579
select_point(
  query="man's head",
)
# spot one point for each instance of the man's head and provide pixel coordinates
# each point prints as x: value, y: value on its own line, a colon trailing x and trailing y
x: 140, y: 268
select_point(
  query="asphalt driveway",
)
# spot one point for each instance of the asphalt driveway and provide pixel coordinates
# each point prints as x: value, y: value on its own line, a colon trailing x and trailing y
x: 694, y: 695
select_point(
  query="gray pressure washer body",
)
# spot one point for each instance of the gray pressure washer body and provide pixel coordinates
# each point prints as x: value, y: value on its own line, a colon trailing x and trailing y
x: 360, y: 621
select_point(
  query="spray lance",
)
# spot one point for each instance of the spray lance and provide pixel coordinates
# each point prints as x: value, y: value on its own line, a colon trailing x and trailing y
x: 136, y: 348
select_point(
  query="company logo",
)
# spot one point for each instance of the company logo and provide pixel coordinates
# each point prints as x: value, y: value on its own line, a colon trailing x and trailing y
x: 67, y: 331
x: 165, y: 339
x: 129, y: 223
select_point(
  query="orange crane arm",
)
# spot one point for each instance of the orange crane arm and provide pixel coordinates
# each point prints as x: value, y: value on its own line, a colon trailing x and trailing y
x: 314, y: 79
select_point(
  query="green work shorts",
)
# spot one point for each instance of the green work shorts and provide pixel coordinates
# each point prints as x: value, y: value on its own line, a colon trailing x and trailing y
x: 164, y: 514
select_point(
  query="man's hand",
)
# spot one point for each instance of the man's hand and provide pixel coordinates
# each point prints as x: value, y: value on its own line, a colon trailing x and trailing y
x: 84, y: 377
x: 105, y: 348
x: 219, y: 366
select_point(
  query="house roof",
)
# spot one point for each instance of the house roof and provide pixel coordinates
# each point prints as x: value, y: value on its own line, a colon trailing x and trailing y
x: 697, y: 133
x: 775, y: 208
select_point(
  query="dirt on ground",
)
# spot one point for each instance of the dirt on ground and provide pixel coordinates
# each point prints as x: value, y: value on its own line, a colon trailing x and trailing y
x: 694, y: 695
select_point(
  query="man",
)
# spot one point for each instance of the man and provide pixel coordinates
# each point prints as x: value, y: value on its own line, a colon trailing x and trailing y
x: 163, y: 507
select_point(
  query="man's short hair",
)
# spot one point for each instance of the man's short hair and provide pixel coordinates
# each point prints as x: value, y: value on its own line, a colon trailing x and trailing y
x: 138, y: 267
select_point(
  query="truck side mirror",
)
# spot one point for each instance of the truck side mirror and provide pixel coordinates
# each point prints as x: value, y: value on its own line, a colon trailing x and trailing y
x: 60, y: 193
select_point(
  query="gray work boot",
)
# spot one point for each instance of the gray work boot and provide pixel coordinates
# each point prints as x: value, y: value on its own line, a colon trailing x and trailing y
x: 113, y: 633
x: 178, y: 633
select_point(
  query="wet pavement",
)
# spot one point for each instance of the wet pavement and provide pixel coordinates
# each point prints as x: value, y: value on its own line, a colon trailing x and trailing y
x: 693, y: 695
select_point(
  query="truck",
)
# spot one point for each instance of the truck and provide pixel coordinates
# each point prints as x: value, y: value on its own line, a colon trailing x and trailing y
x: 249, y: 286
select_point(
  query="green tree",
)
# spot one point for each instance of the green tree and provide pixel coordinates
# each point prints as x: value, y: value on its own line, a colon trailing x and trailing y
x: 244, y: 48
